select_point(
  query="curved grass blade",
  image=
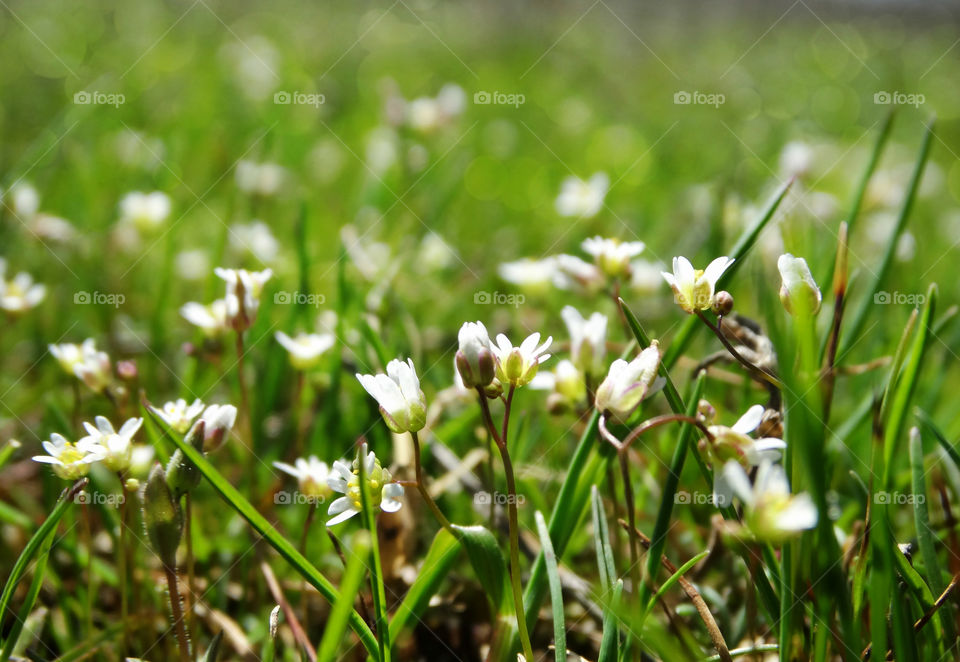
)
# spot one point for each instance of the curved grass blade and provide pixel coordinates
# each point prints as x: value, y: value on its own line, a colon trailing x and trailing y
x: 669, y: 389
x: 925, y: 537
x: 488, y: 562
x: 338, y: 620
x: 674, y: 578
x: 290, y: 553
x: 437, y: 564
x: 556, y: 593
x: 738, y: 252
x: 35, y: 585
x: 611, y: 629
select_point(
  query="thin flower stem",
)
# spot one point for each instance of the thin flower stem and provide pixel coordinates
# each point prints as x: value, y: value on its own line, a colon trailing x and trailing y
x: 376, y: 571
x: 191, y: 579
x: 753, y: 369
x: 183, y: 642
x: 512, y: 515
x: 631, y: 516
x: 122, y: 565
x: 424, y: 492
x: 657, y: 421
x: 242, y: 380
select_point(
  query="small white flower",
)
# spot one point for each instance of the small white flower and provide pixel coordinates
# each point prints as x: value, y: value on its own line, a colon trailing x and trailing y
x: 21, y: 293
x: 259, y: 178
x: 530, y: 273
x: 179, y: 415
x: 695, y: 289
x: 402, y: 403
x: 306, y: 348
x: 218, y: 420
x: 799, y: 292
x: 193, y: 264
x: 796, y: 159
x: 645, y: 276
x: 117, y: 446
x: 70, y: 354
x: 311, y: 474
x: 345, y: 479
x: 145, y: 211
x: 93, y: 368
x: 52, y: 228
x: 24, y: 200
x: 428, y: 114
x: 582, y: 198
x: 474, y: 359
x: 627, y: 384
x: 256, y: 238
x: 211, y: 319
x: 735, y: 444
x: 243, y: 293
x: 68, y: 460
x: 573, y: 271
x: 613, y: 256
x: 771, y: 513
x: 588, y: 339
x: 518, y: 365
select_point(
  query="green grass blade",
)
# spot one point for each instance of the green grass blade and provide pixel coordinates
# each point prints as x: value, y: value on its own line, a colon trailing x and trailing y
x: 928, y: 423
x: 925, y: 535
x: 739, y: 251
x: 859, y: 318
x: 556, y: 594
x: 339, y: 618
x: 488, y: 562
x: 35, y: 585
x: 7, y: 451
x: 611, y: 627
x: 377, y: 588
x: 674, y: 578
x: 669, y: 389
x: 289, y: 553
x: 436, y: 566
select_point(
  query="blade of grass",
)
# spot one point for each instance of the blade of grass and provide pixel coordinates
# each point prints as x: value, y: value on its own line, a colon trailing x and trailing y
x: 673, y: 579
x: 35, y: 585
x: 925, y: 536
x: 377, y: 588
x: 556, y: 593
x: 436, y: 566
x: 339, y: 618
x: 611, y: 627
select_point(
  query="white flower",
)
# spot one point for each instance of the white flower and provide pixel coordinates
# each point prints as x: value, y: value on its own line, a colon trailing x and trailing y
x: 193, y: 264
x: 218, y: 420
x: 345, y: 479
x: 306, y: 348
x: 21, y: 293
x: 612, y: 256
x: 582, y: 198
x: 588, y: 339
x: 70, y: 354
x: 311, y: 474
x: 735, y: 444
x: 259, y: 178
x: 68, y: 460
x: 52, y: 228
x: 695, y: 289
x: 117, y: 446
x: 24, y: 201
x: 430, y: 113
x: 518, y: 365
x: 211, y: 319
x: 256, y: 238
x: 796, y: 159
x: 243, y: 293
x: 474, y: 359
x: 145, y: 211
x: 574, y: 271
x: 565, y: 382
x: 93, y: 368
x: 771, y: 513
x: 179, y: 415
x: 529, y: 273
x: 626, y: 384
x: 645, y: 276
x: 799, y: 292
x: 402, y: 403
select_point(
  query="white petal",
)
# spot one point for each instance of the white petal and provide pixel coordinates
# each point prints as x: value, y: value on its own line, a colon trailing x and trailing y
x: 750, y: 420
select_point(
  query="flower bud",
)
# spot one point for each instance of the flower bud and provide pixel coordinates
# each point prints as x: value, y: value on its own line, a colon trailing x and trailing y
x: 723, y: 303
x: 493, y: 390
x: 182, y: 474
x: 218, y: 421
x: 799, y: 292
x: 162, y: 517
x: 626, y: 384
x: 474, y: 360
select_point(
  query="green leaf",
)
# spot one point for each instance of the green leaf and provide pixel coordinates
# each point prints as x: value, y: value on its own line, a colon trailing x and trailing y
x: 681, y: 571
x: 925, y: 536
x: 213, y: 651
x: 35, y: 585
x: 611, y: 627
x: 489, y: 563
x: 669, y: 389
x: 350, y: 585
x: 601, y: 539
x: 290, y: 553
x: 436, y: 566
x: 556, y: 593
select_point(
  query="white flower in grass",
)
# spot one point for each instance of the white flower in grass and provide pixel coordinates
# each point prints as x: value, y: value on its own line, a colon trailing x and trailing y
x: 255, y: 238
x: 695, y: 289
x: 145, y: 211
x: 735, y: 444
x: 259, y: 178
x: 243, y: 293
x: 305, y: 349
x: 21, y: 293
x: 178, y: 414
x: 69, y: 460
x: 612, y: 256
x: 218, y: 421
x: 211, y: 319
x: 402, y: 403
x: 93, y: 368
x: 799, y: 293
x: 24, y: 200
x: 645, y: 276
x: 474, y: 360
x: 345, y: 479
x: 71, y: 354
x: 582, y: 198
x: 530, y: 273
x: 117, y: 445
x: 572, y: 271
x: 518, y: 365
x: 771, y: 513
x: 627, y: 384
x: 796, y: 159
x: 312, y: 475
x: 588, y: 339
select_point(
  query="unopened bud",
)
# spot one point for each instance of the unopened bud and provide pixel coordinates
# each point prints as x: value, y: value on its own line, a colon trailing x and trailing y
x: 131, y: 485
x: 162, y: 517
x: 705, y: 411
x: 723, y: 303
x: 127, y: 370
x: 493, y: 390
x: 182, y: 474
